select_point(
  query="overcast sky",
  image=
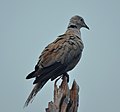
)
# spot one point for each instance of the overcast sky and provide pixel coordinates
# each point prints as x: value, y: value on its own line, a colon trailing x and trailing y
x: 27, y: 26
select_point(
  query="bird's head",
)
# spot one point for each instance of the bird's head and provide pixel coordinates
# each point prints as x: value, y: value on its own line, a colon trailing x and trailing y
x: 77, y: 22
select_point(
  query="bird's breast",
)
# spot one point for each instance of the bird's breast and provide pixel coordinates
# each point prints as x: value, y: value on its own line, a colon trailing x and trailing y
x: 73, y: 47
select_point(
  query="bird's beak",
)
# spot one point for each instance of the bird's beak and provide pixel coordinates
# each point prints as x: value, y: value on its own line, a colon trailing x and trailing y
x: 86, y: 26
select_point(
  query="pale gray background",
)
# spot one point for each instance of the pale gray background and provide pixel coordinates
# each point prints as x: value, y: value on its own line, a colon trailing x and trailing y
x: 27, y: 26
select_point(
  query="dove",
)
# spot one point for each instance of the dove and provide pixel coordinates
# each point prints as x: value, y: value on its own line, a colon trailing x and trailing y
x: 59, y: 57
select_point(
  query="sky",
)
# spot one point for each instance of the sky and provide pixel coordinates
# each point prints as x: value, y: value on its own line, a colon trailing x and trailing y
x: 28, y: 26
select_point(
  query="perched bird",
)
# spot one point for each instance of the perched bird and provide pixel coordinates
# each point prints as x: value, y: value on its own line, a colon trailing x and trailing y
x: 58, y: 57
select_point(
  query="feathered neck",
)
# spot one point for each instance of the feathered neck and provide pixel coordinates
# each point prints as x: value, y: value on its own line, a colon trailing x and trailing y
x: 73, y: 30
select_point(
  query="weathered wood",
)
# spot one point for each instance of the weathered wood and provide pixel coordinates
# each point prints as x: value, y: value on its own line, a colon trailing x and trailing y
x: 65, y: 99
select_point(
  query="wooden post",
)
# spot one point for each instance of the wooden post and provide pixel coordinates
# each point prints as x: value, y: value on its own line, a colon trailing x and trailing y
x: 65, y: 99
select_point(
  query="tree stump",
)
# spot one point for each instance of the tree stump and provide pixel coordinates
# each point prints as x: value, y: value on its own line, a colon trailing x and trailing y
x: 65, y: 99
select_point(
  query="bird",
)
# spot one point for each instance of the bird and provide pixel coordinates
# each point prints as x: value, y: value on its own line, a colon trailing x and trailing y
x: 59, y: 57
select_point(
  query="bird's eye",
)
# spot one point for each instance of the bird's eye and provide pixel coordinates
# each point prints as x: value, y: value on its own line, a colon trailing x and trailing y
x: 82, y: 20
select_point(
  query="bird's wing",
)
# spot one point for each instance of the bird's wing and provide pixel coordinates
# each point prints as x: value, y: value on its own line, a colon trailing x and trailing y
x: 64, y: 49
x: 58, y: 57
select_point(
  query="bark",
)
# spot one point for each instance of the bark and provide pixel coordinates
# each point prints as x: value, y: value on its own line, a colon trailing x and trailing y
x: 65, y: 99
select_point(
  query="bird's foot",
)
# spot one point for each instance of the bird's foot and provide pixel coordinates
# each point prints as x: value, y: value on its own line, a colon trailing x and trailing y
x: 66, y: 75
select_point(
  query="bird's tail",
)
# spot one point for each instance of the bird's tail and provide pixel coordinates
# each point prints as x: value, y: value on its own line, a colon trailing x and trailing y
x: 34, y: 91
